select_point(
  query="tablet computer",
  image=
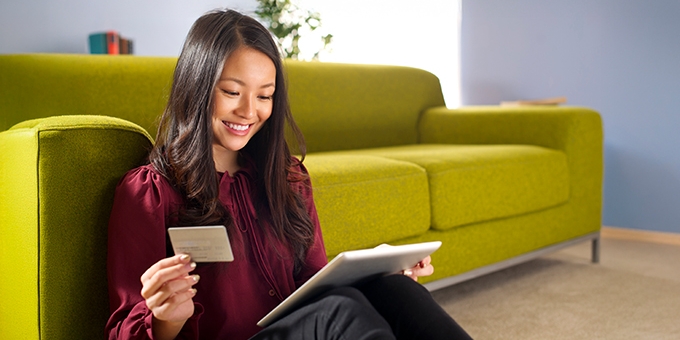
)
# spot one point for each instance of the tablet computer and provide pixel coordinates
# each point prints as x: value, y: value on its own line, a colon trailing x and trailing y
x: 353, y: 267
x: 203, y: 244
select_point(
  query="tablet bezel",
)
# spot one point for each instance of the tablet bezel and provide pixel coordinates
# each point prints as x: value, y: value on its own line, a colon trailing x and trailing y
x: 353, y: 267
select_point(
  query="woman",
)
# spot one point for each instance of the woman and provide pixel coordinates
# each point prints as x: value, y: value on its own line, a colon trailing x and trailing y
x: 221, y: 158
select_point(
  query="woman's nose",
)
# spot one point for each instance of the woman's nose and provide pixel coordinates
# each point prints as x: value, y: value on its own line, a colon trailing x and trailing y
x: 246, y: 108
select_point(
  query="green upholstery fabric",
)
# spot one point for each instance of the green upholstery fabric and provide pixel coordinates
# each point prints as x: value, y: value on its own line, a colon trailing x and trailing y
x: 18, y: 235
x: 368, y: 200
x: 43, y: 85
x: 575, y: 131
x: 389, y: 164
x: 475, y: 183
x: 71, y: 165
x: 476, y: 245
x: 344, y: 107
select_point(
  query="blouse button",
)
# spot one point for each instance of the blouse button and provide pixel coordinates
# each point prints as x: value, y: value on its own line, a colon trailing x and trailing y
x: 272, y: 292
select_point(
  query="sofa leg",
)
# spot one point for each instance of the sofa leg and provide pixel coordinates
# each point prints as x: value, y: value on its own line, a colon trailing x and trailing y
x: 595, y: 256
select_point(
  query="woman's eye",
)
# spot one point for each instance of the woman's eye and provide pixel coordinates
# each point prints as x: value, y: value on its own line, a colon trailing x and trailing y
x: 231, y: 93
x: 266, y: 97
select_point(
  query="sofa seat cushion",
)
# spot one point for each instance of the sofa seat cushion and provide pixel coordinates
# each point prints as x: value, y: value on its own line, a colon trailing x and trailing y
x: 474, y: 183
x: 363, y: 201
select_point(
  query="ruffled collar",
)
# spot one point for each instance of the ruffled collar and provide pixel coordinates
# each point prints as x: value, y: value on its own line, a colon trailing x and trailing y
x: 247, y: 168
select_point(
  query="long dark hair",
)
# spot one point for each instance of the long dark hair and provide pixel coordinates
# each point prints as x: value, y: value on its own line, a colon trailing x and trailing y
x: 183, y: 149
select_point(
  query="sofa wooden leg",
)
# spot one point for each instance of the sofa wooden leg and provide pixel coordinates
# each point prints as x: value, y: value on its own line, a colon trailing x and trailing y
x: 595, y: 256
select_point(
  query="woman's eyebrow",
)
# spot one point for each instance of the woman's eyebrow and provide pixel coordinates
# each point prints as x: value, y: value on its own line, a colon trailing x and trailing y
x: 242, y: 83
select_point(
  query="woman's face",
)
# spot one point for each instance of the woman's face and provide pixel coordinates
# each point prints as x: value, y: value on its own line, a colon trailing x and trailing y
x: 243, y: 102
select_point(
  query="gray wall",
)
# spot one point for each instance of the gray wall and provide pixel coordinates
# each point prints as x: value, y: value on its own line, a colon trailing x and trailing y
x: 158, y: 27
x: 620, y: 57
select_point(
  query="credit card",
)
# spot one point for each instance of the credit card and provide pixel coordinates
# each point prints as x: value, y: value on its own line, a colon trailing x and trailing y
x: 203, y: 244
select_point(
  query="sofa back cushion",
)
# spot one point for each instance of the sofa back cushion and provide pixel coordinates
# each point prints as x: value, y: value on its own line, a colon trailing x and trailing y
x: 348, y: 106
x: 337, y: 106
x: 43, y: 85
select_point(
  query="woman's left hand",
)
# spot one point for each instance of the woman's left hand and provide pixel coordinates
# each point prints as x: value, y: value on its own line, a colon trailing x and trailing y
x: 422, y: 268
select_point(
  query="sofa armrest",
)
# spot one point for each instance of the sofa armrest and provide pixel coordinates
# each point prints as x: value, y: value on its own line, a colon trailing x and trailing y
x: 57, y: 180
x: 575, y: 131
x: 553, y: 127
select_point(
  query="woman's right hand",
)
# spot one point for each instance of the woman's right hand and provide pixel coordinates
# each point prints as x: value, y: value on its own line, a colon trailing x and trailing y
x: 168, y: 290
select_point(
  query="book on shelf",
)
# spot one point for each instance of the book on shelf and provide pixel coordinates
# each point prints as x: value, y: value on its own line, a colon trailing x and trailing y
x: 536, y: 102
x: 112, y: 42
x: 109, y: 42
x: 98, y: 43
x: 125, y: 46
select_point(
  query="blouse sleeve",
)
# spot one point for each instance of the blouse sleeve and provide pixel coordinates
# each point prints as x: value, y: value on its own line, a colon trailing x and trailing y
x: 136, y: 240
x: 316, y: 255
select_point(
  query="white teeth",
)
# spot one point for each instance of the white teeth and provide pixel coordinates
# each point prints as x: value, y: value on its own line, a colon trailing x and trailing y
x: 237, y: 127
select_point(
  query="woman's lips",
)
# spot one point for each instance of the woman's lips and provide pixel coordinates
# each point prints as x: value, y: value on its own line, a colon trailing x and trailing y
x: 238, y: 129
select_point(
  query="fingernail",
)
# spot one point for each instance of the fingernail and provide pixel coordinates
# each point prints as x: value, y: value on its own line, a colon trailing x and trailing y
x: 191, y: 266
x: 196, y: 277
x: 184, y: 257
x: 193, y: 291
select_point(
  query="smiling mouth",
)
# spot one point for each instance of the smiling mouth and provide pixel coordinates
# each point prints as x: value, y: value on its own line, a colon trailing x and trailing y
x: 237, y: 127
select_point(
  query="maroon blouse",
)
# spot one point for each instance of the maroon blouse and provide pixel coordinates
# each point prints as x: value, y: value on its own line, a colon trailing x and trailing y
x: 231, y: 297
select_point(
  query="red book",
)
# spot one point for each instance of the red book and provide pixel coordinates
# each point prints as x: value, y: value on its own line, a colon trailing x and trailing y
x: 113, y: 42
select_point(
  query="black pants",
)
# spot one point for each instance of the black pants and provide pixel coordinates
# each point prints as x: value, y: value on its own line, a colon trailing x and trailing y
x: 392, y: 307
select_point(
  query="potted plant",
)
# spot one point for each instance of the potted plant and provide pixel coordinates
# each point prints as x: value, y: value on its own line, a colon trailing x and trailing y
x: 288, y: 23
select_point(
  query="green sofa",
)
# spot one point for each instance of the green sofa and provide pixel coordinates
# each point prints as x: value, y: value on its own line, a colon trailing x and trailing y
x: 389, y: 164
